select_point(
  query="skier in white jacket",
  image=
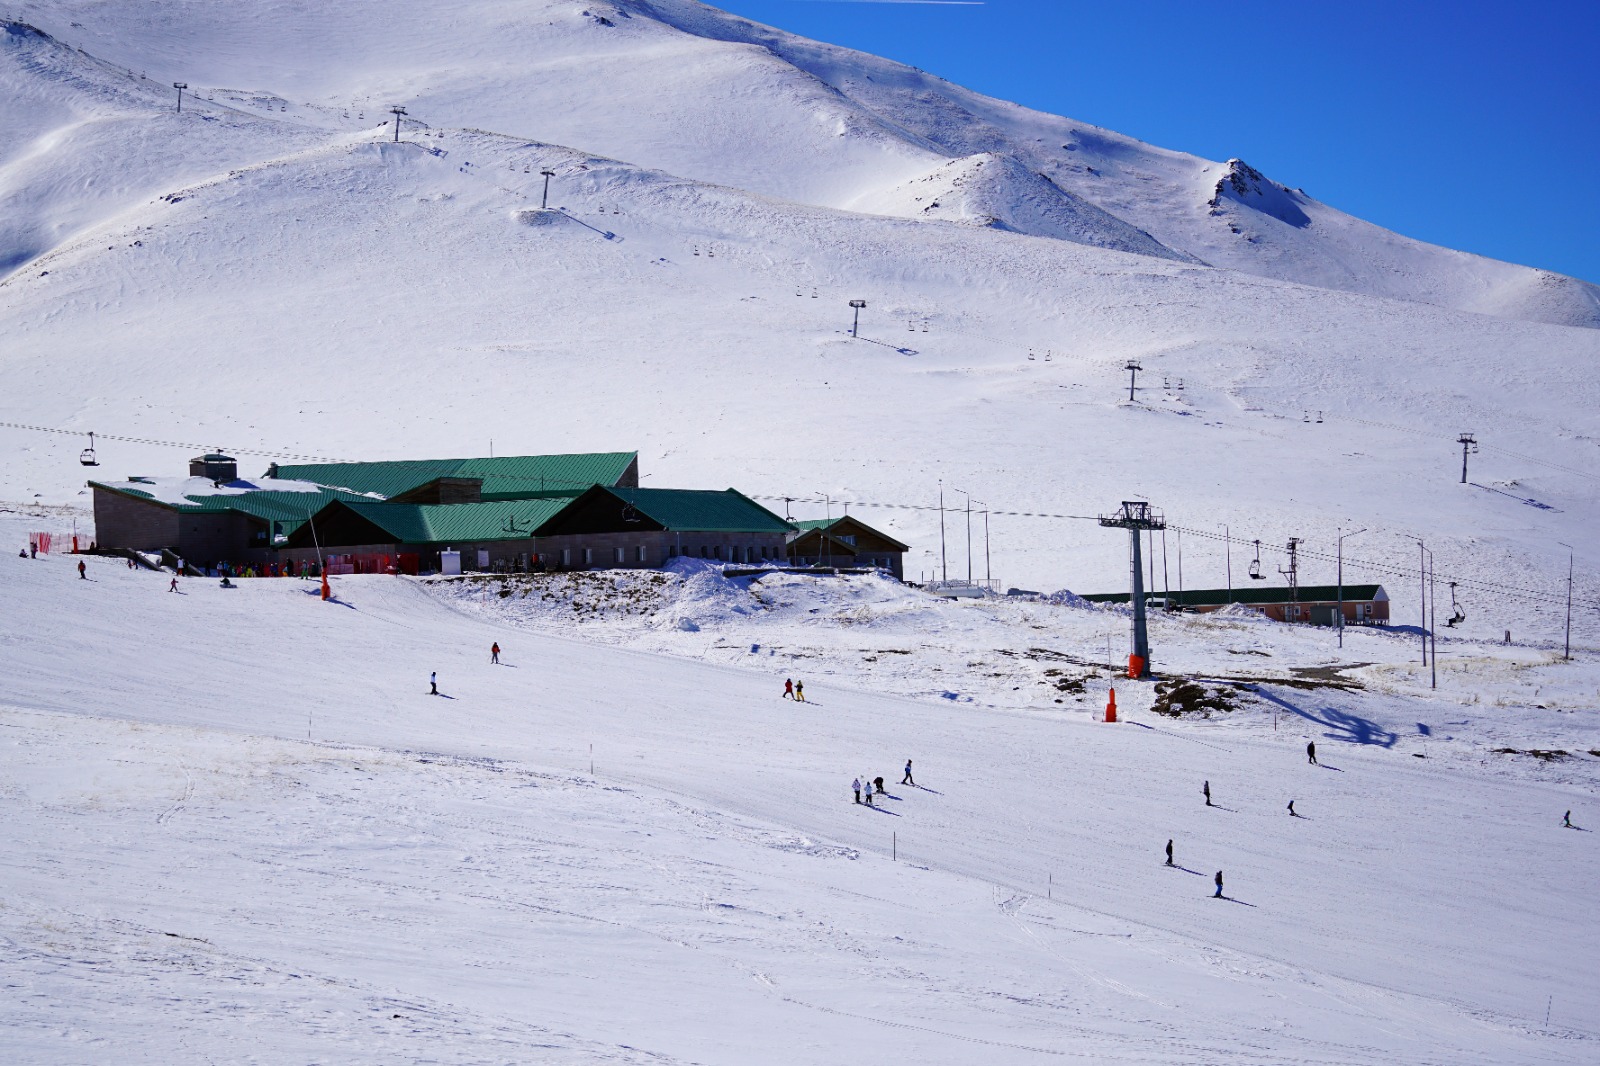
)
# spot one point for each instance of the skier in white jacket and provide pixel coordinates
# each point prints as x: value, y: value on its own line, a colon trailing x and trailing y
x: 856, y: 784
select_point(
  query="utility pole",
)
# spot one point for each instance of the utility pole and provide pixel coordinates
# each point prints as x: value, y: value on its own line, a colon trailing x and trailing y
x: 545, y: 201
x: 944, y: 565
x: 1421, y: 562
x: 1566, y: 654
x: 180, y: 86
x: 1293, y: 573
x: 1134, y: 517
x: 1467, y: 445
x: 857, y: 305
x: 397, y: 112
x: 1133, y: 369
x: 1433, y: 612
x: 1227, y: 546
x: 968, y: 495
x: 1340, y: 621
x: 988, y: 575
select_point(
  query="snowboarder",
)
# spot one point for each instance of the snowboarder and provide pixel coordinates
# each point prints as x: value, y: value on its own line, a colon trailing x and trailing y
x: 1311, y: 753
x: 23, y: 554
x: 1219, y: 886
x: 856, y: 785
x: 906, y: 780
x: 433, y: 683
x: 1169, y: 853
x: 1291, y: 810
x: 1206, y: 789
x: 494, y: 652
x: 800, y: 691
x: 877, y: 783
x: 788, y: 688
x: 82, y: 570
x: 174, y: 586
x: 226, y: 583
x: 1566, y: 820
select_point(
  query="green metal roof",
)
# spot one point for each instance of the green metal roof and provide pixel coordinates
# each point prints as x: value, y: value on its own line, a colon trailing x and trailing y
x: 290, y: 508
x: 827, y: 524
x: 1251, y: 595
x: 504, y: 477
x: 459, y: 523
x: 704, y: 510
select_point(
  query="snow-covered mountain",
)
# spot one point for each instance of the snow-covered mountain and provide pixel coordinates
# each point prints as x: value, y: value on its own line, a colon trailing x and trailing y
x: 681, y: 87
x: 270, y: 271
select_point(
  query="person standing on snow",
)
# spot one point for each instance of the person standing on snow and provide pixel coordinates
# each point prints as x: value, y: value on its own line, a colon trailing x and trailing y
x: 877, y: 783
x: 1566, y: 820
x: 494, y: 652
x: 1218, y: 894
x: 799, y: 691
x: 1311, y: 753
x: 433, y: 683
x: 1206, y: 790
x: 1169, y: 853
x: 82, y: 570
x: 174, y: 586
x: 906, y: 780
x: 867, y: 792
x: 856, y: 785
x: 1291, y: 810
x: 788, y: 688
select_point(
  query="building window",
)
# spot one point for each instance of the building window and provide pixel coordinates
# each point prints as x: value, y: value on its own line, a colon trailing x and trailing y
x: 588, y: 557
x: 566, y: 556
x: 642, y: 555
x: 617, y: 552
x: 850, y: 540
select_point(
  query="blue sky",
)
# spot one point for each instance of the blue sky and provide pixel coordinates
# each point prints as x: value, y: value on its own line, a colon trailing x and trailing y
x: 1470, y: 124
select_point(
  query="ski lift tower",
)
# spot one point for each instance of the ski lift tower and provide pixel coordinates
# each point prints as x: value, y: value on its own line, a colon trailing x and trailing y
x: 1136, y: 517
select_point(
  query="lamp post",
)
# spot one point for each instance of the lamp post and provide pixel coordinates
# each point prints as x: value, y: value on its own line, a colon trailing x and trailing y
x: 544, y: 202
x: 855, y: 324
x: 180, y: 86
x: 1340, y: 579
x: 968, y: 495
x: 1227, y: 546
x: 1566, y: 654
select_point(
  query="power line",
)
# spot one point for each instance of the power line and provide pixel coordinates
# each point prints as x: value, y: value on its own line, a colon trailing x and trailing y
x: 186, y: 445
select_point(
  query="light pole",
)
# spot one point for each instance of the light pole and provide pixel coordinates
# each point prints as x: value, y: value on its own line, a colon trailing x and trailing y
x: 857, y: 305
x: 944, y: 565
x: 545, y: 201
x: 1227, y: 546
x: 827, y: 503
x: 988, y: 575
x: 1422, y: 578
x: 1566, y: 655
x: 180, y: 86
x: 968, y: 495
x: 397, y: 112
x: 1133, y: 369
x: 1340, y: 579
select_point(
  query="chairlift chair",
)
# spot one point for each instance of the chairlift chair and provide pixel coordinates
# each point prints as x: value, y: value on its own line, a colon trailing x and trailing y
x: 87, y: 457
x: 1457, y: 615
x: 1255, y: 564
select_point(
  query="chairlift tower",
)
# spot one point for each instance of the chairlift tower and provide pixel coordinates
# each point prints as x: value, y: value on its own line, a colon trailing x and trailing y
x: 397, y: 112
x: 1136, y: 517
x: 180, y: 86
x: 1293, y: 573
x: 1468, y: 445
x: 856, y: 306
x: 1133, y: 368
x: 544, y: 201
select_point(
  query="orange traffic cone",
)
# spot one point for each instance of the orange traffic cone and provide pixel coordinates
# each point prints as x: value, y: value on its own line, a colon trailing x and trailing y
x: 1111, y: 707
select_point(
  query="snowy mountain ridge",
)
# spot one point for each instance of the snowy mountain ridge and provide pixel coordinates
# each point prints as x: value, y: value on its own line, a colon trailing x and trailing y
x: 823, y: 126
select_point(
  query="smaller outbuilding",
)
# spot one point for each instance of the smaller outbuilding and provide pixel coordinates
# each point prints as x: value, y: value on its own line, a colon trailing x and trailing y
x: 1364, y: 605
x: 845, y: 542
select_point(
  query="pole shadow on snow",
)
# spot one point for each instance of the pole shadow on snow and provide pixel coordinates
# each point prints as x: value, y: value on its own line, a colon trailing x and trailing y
x: 1349, y: 728
x: 886, y: 344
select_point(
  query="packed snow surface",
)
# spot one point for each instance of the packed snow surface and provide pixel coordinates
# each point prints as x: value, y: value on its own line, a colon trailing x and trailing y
x: 239, y: 811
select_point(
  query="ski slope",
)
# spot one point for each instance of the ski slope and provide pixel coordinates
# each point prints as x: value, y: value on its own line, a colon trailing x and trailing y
x: 443, y: 878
